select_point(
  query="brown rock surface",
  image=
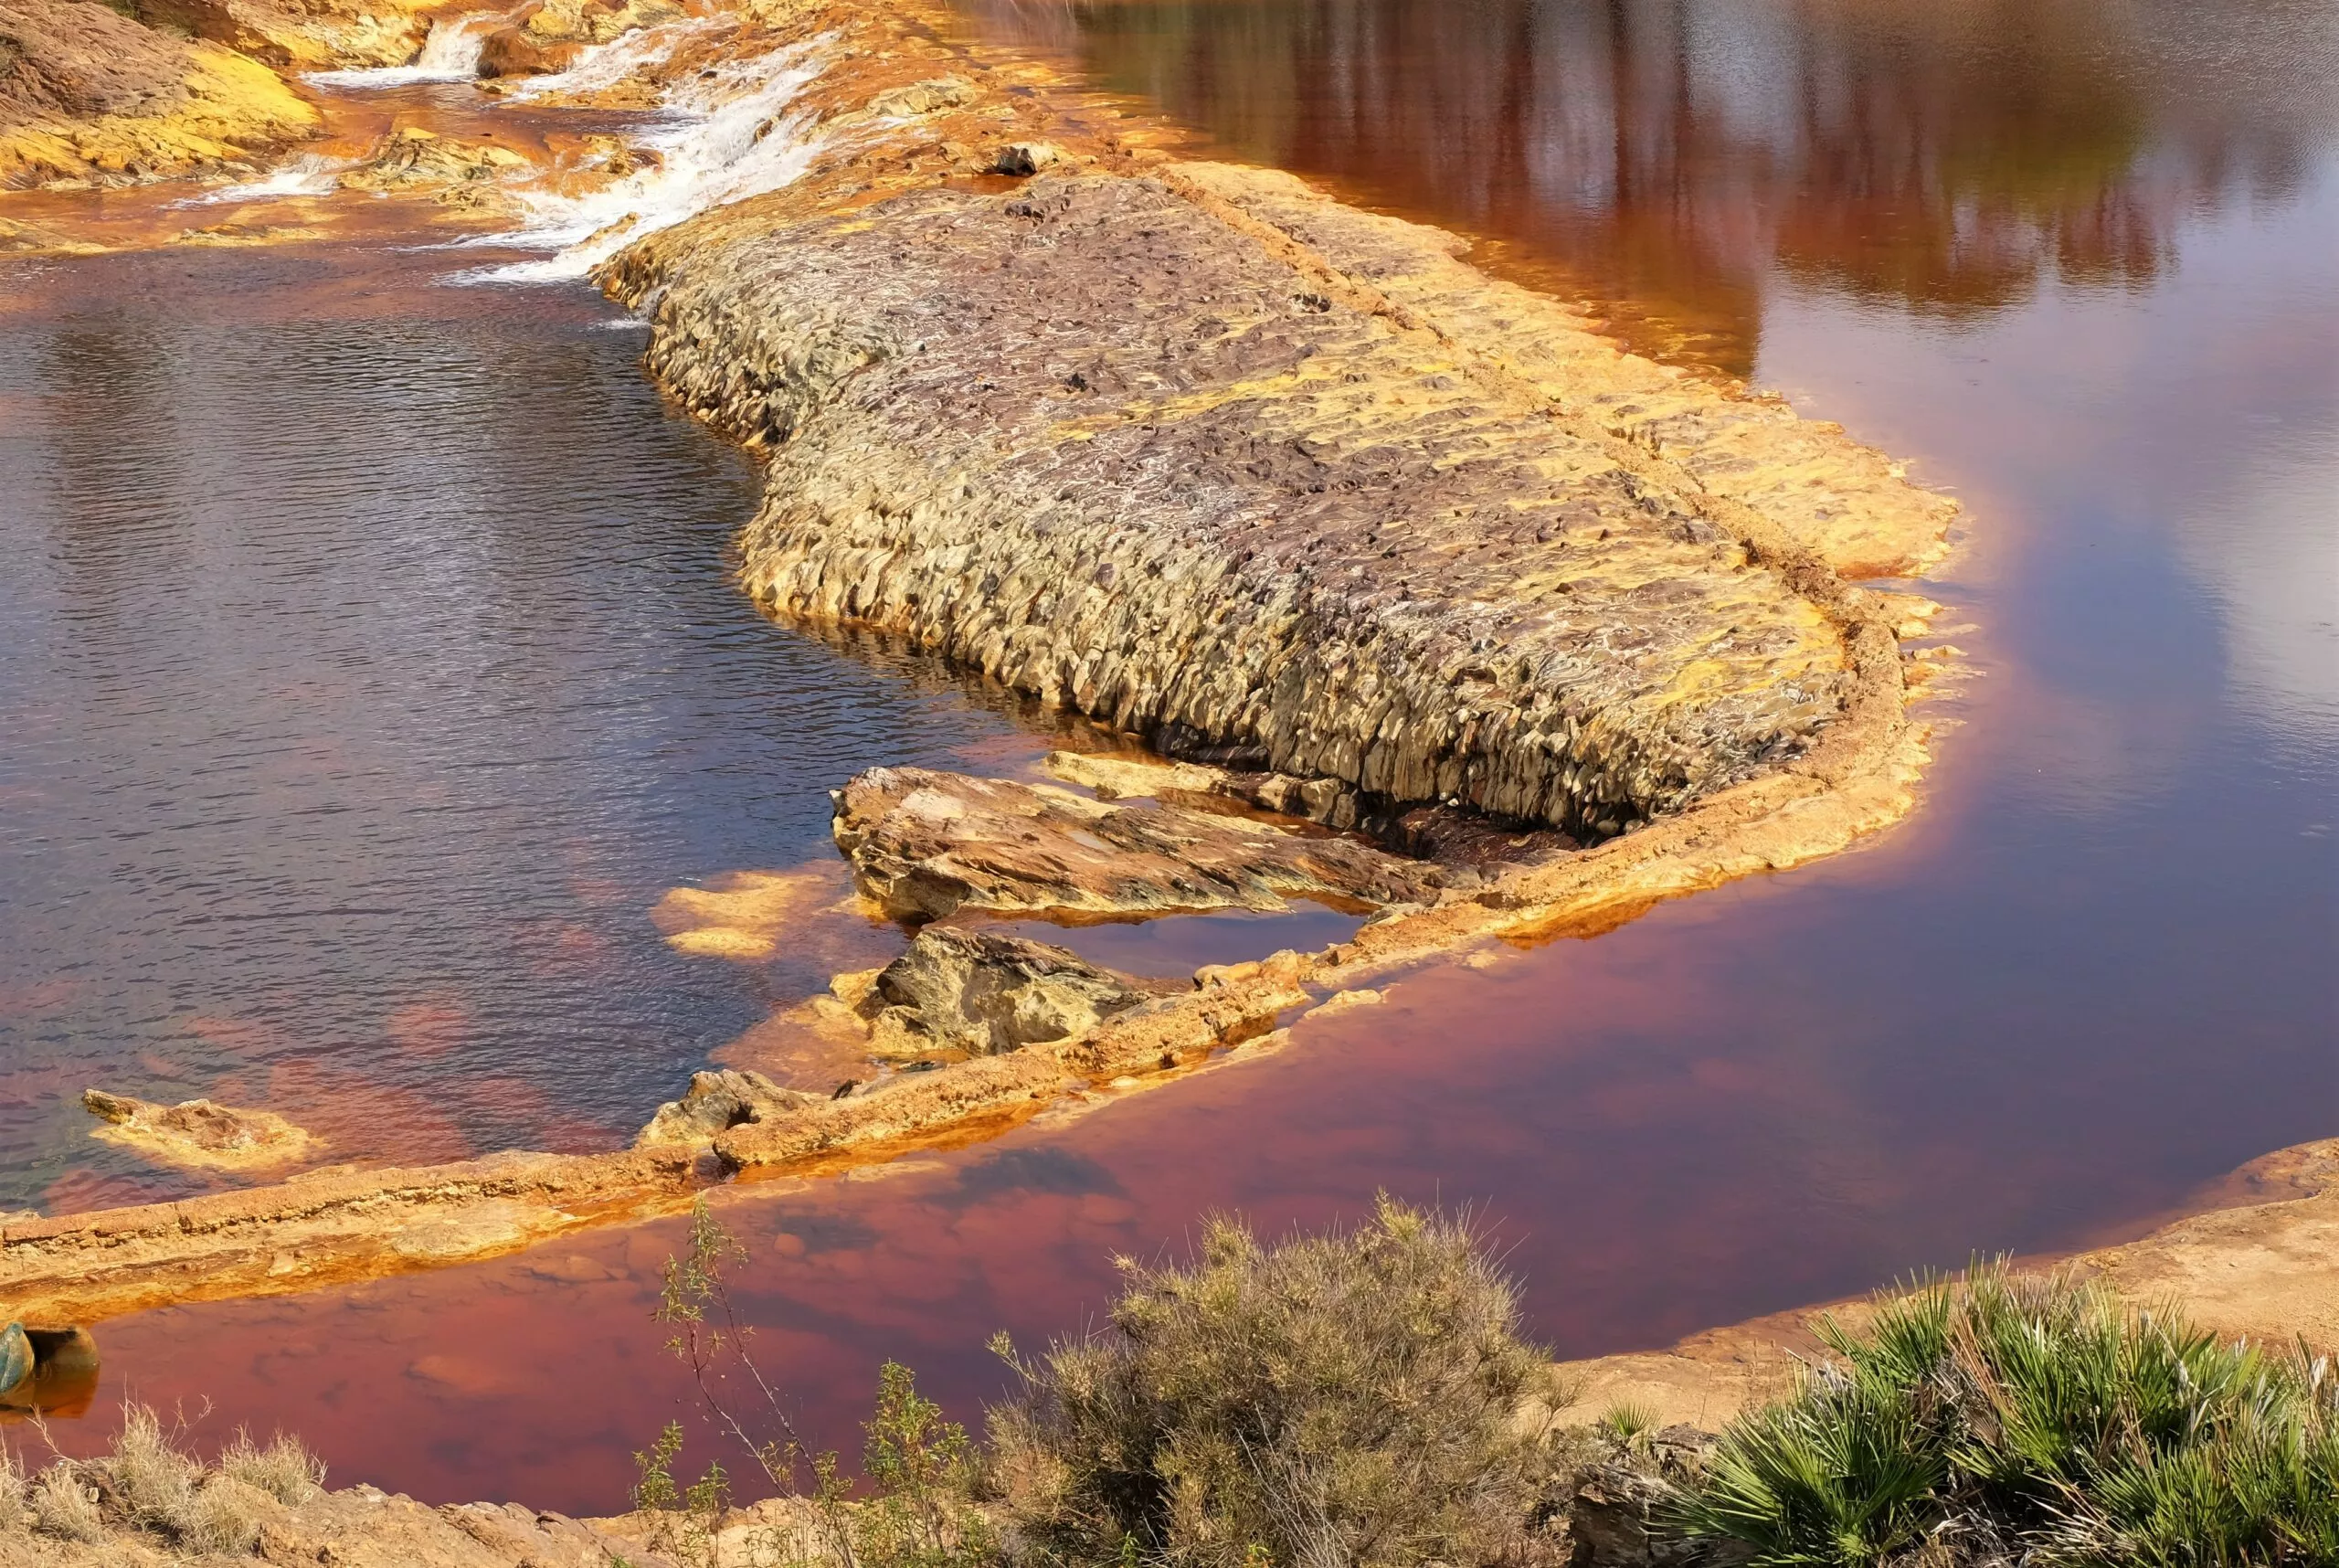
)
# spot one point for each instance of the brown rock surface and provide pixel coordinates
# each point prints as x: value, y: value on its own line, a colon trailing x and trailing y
x: 299, y: 34
x: 361, y: 1527
x: 450, y: 169
x: 198, y: 1133
x: 716, y: 1102
x: 550, y: 35
x: 982, y: 993
x: 925, y: 844
x: 88, y: 94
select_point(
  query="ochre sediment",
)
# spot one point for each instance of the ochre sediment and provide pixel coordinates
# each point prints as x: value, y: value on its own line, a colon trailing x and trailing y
x: 89, y: 95
x: 1265, y: 481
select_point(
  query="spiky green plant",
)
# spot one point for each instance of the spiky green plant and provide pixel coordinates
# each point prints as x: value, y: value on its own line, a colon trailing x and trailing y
x: 2038, y: 1414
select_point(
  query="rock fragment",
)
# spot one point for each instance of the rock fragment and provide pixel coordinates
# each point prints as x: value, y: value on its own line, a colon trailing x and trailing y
x: 925, y: 844
x: 198, y: 1133
x: 716, y: 1102
x: 1026, y: 157
x: 984, y: 993
x: 922, y: 97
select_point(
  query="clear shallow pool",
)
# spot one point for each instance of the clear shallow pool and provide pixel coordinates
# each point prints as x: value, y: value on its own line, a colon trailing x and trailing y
x: 2072, y: 260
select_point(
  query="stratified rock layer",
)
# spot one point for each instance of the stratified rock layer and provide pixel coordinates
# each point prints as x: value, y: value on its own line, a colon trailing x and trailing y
x: 925, y: 844
x: 1095, y: 441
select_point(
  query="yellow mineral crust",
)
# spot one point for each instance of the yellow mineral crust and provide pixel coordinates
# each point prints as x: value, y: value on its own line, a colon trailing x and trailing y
x: 93, y: 96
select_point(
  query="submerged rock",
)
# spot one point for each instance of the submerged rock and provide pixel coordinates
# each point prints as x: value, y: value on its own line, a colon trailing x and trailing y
x: 983, y: 993
x: 925, y: 844
x: 716, y: 1102
x: 197, y: 1132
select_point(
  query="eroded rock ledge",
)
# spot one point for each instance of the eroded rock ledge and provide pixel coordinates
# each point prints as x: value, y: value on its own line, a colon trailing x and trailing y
x: 1283, y: 488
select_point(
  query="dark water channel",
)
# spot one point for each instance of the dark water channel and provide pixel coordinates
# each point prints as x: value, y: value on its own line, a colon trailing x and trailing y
x: 2075, y: 261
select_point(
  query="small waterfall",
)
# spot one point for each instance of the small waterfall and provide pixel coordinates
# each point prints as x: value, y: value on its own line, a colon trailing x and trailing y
x: 450, y: 54
x: 307, y: 175
x: 731, y: 136
x: 606, y: 65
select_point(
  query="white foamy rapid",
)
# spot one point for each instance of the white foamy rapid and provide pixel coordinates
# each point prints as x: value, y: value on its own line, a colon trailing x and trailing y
x: 309, y: 175
x: 603, y: 66
x: 450, y: 54
x: 728, y: 135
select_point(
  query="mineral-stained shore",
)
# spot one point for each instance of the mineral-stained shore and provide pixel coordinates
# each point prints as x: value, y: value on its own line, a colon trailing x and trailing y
x: 89, y: 95
x: 1374, y: 544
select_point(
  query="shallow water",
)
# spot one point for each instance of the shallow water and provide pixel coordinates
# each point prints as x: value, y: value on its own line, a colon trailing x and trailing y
x: 373, y: 667
x: 2074, y: 263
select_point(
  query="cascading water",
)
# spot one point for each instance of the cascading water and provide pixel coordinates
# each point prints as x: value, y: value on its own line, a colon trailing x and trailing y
x: 307, y: 175
x: 730, y: 136
x: 450, y: 54
x: 605, y: 65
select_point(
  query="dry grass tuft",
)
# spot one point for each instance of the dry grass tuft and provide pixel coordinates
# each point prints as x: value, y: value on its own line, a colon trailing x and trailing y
x: 284, y: 1470
x: 148, y: 1489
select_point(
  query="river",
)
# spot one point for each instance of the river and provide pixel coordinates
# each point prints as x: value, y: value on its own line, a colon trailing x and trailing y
x: 372, y: 670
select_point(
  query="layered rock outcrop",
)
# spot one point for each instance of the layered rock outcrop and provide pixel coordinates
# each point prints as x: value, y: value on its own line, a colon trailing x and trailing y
x: 1366, y: 540
x: 925, y: 844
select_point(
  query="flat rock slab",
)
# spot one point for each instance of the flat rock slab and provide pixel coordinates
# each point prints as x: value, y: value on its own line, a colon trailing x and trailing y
x: 925, y: 844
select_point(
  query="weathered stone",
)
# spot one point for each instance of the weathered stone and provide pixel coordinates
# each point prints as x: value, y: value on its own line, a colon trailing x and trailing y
x: 922, y: 97
x: 416, y: 159
x: 982, y: 993
x: 925, y: 844
x: 1026, y: 157
x: 718, y: 1102
x: 197, y: 1132
x: 1614, y: 1505
x: 1096, y: 442
x: 516, y: 51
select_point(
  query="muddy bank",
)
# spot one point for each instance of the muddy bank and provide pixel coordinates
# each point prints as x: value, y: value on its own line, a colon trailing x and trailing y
x: 2258, y: 1260
x: 1397, y: 555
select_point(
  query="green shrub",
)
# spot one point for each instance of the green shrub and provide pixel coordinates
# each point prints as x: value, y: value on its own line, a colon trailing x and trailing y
x: 2037, y: 1420
x: 1339, y: 1402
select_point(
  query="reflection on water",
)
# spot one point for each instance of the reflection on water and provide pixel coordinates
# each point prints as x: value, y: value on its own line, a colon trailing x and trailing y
x: 1662, y: 156
x: 371, y: 669
x: 2073, y: 261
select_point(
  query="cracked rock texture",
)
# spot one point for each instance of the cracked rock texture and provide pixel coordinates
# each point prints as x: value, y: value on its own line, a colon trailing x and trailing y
x: 982, y: 992
x: 925, y: 844
x: 1091, y: 439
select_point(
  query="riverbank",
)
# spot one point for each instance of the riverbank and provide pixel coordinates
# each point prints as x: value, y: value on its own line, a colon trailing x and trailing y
x: 1573, y: 1461
x: 2256, y: 1256
x: 1249, y: 475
